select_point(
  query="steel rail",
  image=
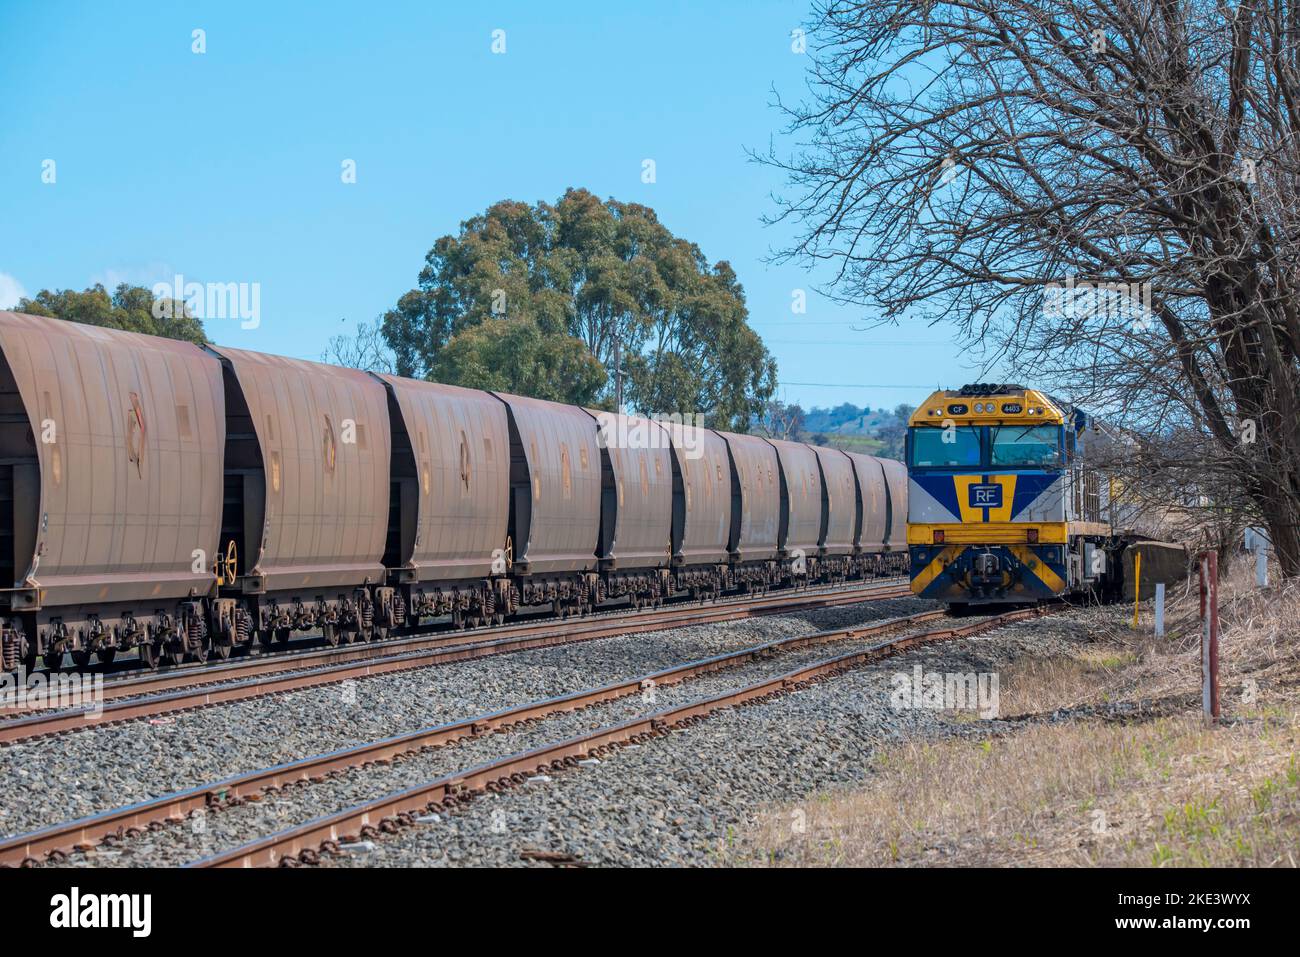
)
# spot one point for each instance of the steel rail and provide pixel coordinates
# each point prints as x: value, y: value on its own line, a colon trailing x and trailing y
x: 303, y: 842
x: 256, y: 684
x: 91, y: 830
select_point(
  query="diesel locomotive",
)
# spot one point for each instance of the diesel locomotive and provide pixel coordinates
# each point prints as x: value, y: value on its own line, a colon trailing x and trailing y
x: 179, y: 501
x: 1006, y: 504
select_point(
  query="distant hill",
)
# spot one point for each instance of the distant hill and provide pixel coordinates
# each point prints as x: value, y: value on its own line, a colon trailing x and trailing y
x: 846, y: 426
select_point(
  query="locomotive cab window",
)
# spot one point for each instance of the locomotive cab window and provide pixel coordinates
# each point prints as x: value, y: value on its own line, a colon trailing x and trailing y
x: 1035, y: 445
x: 930, y: 450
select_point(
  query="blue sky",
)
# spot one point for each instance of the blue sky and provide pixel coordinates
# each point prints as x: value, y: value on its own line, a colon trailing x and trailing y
x: 225, y: 167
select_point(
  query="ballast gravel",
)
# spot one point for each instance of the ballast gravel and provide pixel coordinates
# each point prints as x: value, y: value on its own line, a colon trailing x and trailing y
x: 675, y: 800
x: 84, y: 772
x: 669, y: 801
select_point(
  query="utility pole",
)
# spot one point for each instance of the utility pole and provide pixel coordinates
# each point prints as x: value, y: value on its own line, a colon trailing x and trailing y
x: 618, y: 373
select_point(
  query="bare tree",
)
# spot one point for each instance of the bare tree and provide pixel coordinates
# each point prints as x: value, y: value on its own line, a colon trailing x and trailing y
x: 780, y: 421
x: 365, y: 350
x: 1100, y: 194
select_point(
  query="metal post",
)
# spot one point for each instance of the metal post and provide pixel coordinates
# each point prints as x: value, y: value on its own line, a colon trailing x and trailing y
x: 1209, y: 562
x: 1137, y: 586
x: 1261, y: 565
x: 618, y: 373
x: 1160, y: 609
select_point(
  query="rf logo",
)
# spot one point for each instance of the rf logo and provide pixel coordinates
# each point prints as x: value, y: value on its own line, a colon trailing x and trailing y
x: 986, y: 496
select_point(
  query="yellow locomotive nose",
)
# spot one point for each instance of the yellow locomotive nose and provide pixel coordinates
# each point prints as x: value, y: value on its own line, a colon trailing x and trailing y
x: 1001, y: 503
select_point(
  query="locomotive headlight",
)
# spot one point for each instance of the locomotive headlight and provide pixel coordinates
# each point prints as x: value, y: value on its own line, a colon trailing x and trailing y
x: 938, y: 536
x: 1031, y: 535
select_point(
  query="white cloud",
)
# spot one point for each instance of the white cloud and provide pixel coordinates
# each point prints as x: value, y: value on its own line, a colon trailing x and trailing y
x: 11, y: 290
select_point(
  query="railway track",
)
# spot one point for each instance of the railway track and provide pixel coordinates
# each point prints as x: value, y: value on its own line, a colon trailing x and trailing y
x: 303, y: 843
x: 462, y: 785
x: 155, y: 695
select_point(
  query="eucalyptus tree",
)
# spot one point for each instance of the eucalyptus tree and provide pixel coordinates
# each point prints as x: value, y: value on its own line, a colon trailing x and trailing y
x: 585, y: 280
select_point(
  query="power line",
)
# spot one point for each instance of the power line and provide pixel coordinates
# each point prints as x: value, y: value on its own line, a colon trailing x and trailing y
x: 859, y: 342
x: 856, y: 385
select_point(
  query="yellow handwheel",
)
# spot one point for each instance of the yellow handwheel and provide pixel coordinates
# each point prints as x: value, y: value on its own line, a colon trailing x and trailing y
x: 228, y: 564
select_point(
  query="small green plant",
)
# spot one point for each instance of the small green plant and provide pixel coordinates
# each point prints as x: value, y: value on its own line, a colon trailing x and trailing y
x: 1263, y: 795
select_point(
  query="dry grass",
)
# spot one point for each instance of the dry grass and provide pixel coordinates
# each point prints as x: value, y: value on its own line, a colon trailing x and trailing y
x: 1160, y: 790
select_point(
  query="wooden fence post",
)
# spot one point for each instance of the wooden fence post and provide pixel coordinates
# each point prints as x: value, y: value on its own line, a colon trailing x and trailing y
x: 1209, y: 570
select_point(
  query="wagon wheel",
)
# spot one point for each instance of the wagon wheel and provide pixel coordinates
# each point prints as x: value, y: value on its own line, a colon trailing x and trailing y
x: 199, y: 654
x: 381, y: 633
x: 330, y: 632
x: 266, y: 636
x: 223, y: 642
x: 81, y: 658
x: 106, y: 655
x: 282, y: 635
x: 149, y: 656
x: 174, y: 652
x: 53, y: 660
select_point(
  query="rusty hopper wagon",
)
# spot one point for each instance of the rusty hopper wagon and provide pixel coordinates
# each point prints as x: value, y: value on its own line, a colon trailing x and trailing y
x: 178, y: 501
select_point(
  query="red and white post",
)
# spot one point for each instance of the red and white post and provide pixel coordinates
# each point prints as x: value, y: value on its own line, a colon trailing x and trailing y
x: 1209, y: 566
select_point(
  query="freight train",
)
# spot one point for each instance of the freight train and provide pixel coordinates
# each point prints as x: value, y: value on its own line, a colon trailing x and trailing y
x: 1007, y: 500
x: 182, y: 502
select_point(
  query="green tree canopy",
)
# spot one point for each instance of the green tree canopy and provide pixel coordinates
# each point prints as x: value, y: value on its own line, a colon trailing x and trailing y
x: 516, y: 355
x: 129, y: 307
x: 583, y: 276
